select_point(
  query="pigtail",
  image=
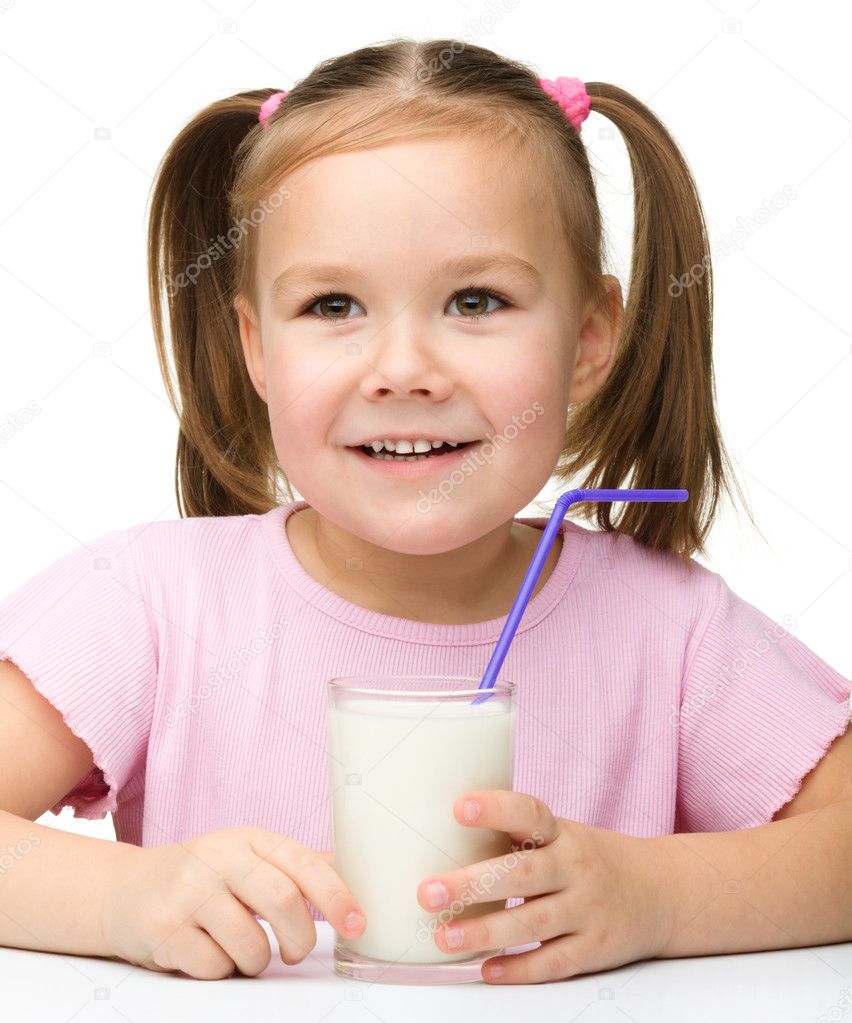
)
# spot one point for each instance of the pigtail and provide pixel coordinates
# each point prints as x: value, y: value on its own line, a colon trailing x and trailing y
x: 653, y: 422
x: 226, y: 462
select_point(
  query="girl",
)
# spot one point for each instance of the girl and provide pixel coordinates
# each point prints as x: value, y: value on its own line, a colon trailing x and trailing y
x: 385, y: 288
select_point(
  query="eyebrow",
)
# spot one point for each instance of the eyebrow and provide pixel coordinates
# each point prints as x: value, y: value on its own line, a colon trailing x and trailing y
x: 335, y: 274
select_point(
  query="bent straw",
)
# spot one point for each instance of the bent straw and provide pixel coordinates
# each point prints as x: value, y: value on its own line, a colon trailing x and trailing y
x: 563, y: 503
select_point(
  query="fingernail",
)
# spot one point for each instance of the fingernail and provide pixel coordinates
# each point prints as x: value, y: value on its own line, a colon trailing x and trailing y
x: 470, y: 810
x: 454, y: 936
x: 353, y: 921
x: 436, y: 894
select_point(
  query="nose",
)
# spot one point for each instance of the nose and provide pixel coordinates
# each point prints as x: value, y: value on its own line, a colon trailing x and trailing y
x: 401, y: 360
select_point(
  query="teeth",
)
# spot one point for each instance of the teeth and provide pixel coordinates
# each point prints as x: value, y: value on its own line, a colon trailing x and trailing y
x: 407, y: 447
x: 400, y: 458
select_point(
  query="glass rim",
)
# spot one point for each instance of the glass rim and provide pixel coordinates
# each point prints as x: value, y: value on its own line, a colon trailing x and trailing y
x: 339, y: 684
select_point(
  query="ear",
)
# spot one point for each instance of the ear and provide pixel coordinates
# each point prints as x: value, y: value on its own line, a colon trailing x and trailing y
x: 252, y: 345
x: 597, y: 343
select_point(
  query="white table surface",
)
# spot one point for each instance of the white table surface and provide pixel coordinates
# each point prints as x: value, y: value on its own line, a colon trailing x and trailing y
x: 807, y: 985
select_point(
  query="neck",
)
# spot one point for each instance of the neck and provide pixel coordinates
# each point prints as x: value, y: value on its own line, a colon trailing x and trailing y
x: 473, y: 583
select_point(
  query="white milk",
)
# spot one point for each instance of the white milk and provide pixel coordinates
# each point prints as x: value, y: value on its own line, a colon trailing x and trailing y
x: 397, y: 767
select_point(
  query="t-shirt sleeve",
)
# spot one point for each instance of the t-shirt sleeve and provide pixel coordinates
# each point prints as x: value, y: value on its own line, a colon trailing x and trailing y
x: 80, y: 630
x: 759, y: 709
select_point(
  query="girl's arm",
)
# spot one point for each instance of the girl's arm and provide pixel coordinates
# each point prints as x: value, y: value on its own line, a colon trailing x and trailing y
x: 52, y: 885
x: 41, y: 759
x: 51, y: 881
x: 785, y: 884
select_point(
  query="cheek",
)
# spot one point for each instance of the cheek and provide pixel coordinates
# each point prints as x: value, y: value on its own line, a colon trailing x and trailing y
x: 527, y: 399
x: 527, y: 405
x: 300, y: 391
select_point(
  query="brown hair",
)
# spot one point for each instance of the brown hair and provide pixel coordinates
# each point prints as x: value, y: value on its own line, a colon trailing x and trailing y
x: 653, y: 421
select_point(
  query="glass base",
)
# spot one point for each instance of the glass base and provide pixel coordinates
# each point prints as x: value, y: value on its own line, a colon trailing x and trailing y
x: 359, y: 967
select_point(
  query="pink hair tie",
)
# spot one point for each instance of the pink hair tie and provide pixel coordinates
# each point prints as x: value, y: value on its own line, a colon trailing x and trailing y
x: 269, y: 106
x: 571, y: 95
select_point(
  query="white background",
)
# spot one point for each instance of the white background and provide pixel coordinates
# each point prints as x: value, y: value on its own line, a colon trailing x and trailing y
x: 757, y: 95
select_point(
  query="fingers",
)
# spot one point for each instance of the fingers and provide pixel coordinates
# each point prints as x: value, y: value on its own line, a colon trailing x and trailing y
x: 538, y: 920
x: 522, y: 816
x: 193, y: 951
x: 316, y: 879
x: 520, y: 874
x: 533, y: 867
x: 555, y: 959
x: 150, y: 965
x: 236, y: 931
x: 275, y: 896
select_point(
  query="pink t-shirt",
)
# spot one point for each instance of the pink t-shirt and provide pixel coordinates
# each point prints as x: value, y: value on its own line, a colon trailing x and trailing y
x: 192, y: 657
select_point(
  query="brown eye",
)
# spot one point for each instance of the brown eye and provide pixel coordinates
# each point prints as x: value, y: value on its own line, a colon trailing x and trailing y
x: 474, y: 302
x: 336, y: 306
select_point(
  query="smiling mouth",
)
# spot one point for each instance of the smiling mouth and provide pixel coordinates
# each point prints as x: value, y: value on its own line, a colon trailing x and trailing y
x: 444, y: 449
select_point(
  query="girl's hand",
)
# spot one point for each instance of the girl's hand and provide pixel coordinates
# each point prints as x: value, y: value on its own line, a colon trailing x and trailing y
x: 595, y: 899
x: 189, y: 906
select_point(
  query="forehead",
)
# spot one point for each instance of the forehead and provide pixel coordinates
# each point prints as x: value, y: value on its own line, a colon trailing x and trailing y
x: 409, y: 198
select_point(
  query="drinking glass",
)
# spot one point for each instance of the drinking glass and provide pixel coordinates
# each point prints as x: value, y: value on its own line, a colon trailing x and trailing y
x: 402, y: 749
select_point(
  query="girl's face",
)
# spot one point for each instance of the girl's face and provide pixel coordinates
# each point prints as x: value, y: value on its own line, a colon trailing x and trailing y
x: 395, y: 341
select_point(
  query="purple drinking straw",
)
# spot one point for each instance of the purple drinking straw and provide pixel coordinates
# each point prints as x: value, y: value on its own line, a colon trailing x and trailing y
x: 563, y: 503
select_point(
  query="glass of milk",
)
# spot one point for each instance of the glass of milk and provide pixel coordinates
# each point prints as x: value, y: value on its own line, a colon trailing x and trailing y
x: 402, y: 749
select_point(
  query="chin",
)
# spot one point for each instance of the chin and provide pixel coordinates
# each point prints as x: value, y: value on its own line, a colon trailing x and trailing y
x: 407, y: 530
x: 398, y: 525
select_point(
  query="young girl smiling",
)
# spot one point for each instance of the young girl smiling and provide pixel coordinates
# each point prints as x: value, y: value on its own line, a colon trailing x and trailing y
x: 385, y: 289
